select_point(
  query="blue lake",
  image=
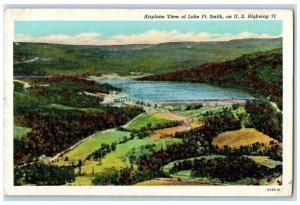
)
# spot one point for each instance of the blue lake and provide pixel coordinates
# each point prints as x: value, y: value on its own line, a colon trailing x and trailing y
x: 164, y: 90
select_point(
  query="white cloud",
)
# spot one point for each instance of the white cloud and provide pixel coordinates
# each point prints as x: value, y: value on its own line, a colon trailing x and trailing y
x: 149, y: 37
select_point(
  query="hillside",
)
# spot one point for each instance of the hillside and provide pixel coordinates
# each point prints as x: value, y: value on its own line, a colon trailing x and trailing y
x: 258, y: 73
x: 242, y: 137
x: 48, y: 59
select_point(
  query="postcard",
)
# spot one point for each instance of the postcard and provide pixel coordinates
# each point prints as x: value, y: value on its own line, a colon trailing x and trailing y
x: 148, y: 102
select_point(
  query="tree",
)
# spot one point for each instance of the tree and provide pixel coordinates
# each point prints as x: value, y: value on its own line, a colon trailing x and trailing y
x: 149, y: 125
x: 113, y: 146
x: 79, y: 166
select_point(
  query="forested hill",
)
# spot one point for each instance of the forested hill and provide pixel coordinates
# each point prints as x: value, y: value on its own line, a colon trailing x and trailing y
x: 48, y: 59
x: 258, y: 73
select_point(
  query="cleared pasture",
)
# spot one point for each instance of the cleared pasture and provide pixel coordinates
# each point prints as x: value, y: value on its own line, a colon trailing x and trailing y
x: 170, y: 131
x: 90, y: 145
x: 116, y: 159
x: 65, y: 107
x: 265, y: 161
x: 241, y: 137
x: 194, y: 112
x: 167, y: 132
x: 20, y: 131
x: 154, y: 119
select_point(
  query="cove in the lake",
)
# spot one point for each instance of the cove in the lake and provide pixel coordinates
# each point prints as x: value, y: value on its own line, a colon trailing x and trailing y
x: 166, y: 90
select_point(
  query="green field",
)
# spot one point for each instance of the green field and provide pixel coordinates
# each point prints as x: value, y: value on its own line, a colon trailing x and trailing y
x: 113, y: 160
x: 92, y: 144
x: 195, y: 112
x: 265, y: 161
x: 21, y: 131
x: 116, y: 159
x: 186, y: 175
x: 64, y: 107
x: 144, y: 120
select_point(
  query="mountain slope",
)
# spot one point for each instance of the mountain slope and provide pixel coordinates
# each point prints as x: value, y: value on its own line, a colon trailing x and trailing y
x: 47, y: 59
x: 259, y: 73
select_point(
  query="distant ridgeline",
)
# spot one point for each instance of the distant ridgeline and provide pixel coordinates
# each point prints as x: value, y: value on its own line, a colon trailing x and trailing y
x: 48, y: 59
x: 259, y: 73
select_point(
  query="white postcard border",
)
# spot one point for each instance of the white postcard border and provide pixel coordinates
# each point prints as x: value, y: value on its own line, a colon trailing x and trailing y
x: 12, y: 15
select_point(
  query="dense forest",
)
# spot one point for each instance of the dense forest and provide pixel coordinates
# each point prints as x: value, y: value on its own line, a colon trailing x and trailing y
x: 41, y: 174
x: 258, y: 73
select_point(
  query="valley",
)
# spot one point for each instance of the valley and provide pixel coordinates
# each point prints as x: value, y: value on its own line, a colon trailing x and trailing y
x: 142, y: 125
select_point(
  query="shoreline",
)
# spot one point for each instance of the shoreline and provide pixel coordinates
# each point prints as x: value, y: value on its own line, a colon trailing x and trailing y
x: 115, y: 76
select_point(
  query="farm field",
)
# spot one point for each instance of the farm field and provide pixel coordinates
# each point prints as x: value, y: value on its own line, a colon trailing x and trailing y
x: 185, y: 175
x: 242, y: 137
x: 189, y: 123
x: 64, y: 107
x: 265, y: 161
x: 116, y: 159
x: 91, y: 144
x: 166, y: 132
x: 21, y: 131
x: 154, y: 119
x: 194, y: 112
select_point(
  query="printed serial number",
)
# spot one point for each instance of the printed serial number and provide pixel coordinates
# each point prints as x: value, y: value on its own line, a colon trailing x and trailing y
x: 273, y: 189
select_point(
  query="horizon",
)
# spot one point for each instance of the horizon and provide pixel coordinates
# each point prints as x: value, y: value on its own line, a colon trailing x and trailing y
x: 140, y: 44
x: 102, y: 33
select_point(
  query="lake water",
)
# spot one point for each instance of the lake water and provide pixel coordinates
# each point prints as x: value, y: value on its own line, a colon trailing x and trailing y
x: 164, y: 90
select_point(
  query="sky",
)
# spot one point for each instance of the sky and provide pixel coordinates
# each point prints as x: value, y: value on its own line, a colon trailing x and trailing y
x: 141, y: 32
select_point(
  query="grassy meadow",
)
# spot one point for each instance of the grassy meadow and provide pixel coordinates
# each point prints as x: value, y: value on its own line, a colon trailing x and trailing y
x: 21, y: 131
x: 154, y: 119
x: 114, y: 160
x: 265, y: 161
x: 91, y: 144
x: 242, y: 137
